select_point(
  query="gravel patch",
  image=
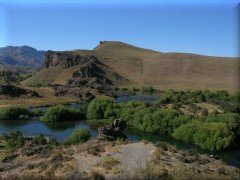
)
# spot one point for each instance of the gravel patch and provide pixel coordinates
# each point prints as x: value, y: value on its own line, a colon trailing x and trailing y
x: 131, y: 157
x: 85, y: 163
x: 134, y: 156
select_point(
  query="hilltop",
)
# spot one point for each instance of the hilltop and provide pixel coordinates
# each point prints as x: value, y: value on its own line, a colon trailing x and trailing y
x: 121, y: 64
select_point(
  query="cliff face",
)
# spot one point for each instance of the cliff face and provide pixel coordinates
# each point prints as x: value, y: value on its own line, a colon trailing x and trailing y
x: 81, y: 69
x: 65, y: 59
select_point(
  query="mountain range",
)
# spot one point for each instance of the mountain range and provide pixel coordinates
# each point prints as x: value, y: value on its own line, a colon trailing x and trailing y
x: 17, y: 56
x: 120, y: 64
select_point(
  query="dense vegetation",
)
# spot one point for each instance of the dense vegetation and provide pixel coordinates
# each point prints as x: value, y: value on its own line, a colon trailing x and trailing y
x: 13, y: 113
x: 175, y: 113
x: 211, y: 131
x: 60, y: 113
x: 78, y: 136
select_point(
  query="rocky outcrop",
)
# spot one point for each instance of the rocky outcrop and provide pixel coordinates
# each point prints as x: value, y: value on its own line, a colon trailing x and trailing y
x: 65, y: 59
x: 86, y: 69
x: 73, y: 91
x: 112, y: 131
x: 90, y: 75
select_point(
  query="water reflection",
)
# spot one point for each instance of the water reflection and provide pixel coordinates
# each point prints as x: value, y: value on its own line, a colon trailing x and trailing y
x: 60, y: 126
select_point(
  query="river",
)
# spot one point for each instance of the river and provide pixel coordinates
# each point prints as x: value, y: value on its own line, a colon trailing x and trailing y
x: 60, y: 130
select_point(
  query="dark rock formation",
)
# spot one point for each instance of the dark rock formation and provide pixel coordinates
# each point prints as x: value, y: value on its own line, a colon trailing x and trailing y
x: 112, y: 131
x: 82, y: 94
x: 9, y: 89
x: 35, y: 94
x: 9, y: 158
x: 16, y: 91
x: 64, y: 59
x: 90, y: 75
x: 89, y: 96
x: 31, y: 149
x: 87, y: 71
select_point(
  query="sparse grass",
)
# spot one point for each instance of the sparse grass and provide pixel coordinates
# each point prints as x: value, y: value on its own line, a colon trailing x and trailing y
x: 166, y: 147
x: 50, y: 172
x: 115, y: 170
x: 93, y: 150
x: 119, y: 141
x: 108, y: 162
x: 158, y: 153
x: 154, y: 172
x: 144, y: 141
x: 97, y: 176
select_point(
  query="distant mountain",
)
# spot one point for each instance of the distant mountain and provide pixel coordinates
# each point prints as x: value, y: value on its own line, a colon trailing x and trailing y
x: 121, y: 64
x: 21, y: 56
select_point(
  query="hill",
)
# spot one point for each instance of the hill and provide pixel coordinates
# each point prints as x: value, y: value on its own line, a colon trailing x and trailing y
x: 121, y: 64
x: 16, y: 56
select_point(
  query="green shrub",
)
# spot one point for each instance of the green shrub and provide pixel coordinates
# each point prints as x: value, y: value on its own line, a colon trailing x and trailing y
x: 97, y: 107
x: 230, y: 103
x: 146, y: 118
x: 39, y: 140
x: 60, y: 113
x: 112, y: 110
x: 124, y: 89
x: 116, y: 89
x: 186, y: 131
x: 14, y: 141
x: 135, y: 89
x: 23, y: 117
x: 37, y: 112
x: 78, y: 136
x: 53, y: 142
x: 232, y: 122
x: 213, y: 136
x: 204, y: 112
x: 13, y: 113
x: 148, y: 90
x: 93, y: 150
x: 193, y: 108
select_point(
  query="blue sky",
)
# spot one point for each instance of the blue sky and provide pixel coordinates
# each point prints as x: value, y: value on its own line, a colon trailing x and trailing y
x: 203, y: 27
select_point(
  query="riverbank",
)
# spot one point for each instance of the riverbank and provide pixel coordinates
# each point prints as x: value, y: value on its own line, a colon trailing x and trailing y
x: 112, y: 159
